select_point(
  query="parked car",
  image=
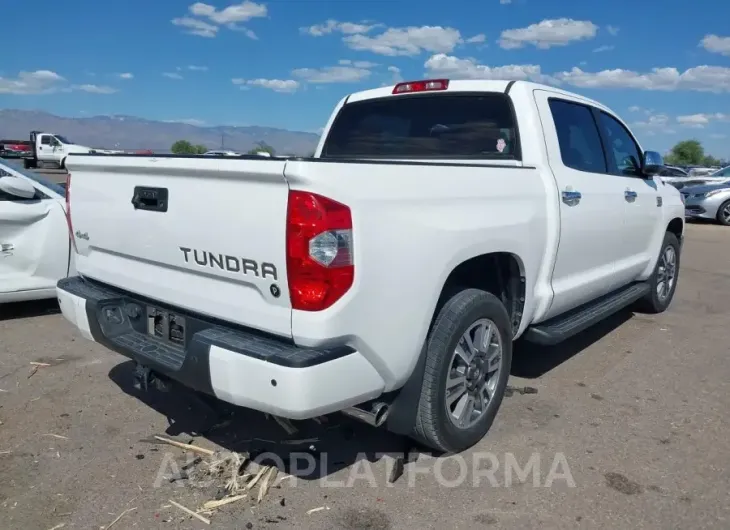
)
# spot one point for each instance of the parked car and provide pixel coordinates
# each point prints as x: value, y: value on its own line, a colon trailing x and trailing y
x: 710, y: 201
x: 222, y: 152
x: 34, y: 239
x: 719, y: 176
x: 387, y: 276
x: 672, y: 171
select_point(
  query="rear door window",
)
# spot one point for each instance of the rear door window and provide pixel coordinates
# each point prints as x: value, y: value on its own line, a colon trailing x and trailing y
x: 580, y: 142
x: 434, y: 126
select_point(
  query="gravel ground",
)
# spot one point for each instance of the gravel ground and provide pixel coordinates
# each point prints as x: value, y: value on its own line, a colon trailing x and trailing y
x: 629, y: 422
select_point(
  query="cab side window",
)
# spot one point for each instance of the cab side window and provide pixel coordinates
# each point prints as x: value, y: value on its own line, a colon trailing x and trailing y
x: 580, y: 142
x: 621, y: 146
x: 46, y: 140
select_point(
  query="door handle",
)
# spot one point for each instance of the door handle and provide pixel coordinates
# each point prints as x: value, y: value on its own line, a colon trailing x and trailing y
x: 571, y: 198
x: 630, y: 195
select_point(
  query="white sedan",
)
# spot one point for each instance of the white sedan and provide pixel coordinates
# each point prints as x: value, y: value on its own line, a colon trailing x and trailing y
x: 35, y: 248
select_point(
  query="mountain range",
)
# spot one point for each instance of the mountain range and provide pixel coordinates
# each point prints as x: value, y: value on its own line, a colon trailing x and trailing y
x: 130, y: 132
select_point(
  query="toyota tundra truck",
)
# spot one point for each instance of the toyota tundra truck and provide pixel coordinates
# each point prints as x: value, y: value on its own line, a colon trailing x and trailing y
x: 388, y: 275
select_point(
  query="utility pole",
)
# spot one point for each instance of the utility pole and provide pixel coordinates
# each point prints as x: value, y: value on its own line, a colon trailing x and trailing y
x: 223, y: 140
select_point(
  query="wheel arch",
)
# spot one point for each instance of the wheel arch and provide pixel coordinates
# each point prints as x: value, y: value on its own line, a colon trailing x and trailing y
x: 500, y: 273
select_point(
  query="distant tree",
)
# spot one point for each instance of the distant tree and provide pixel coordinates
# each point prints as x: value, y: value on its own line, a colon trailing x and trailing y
x: 262, y: 146
x: 183, y: 147
x: 712, y: 161
x: 686, y: 153
x: 200, y: 149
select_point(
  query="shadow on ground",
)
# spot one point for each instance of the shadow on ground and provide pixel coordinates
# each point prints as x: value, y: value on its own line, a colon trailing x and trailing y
x: 531, y: 361
x: 30, y: 309
x: 333, y: 444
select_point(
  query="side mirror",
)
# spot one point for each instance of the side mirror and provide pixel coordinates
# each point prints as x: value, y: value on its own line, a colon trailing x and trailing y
x: 17, y: 187
x: 652, y: 163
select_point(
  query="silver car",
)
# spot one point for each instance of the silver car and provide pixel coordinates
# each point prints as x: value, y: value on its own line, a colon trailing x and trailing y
x: 710, y: 201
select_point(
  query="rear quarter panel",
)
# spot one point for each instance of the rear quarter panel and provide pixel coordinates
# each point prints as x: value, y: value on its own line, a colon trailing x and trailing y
x: 413, y: 224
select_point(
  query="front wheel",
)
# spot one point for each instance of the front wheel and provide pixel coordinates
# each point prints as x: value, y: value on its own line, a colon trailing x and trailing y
x: 468, y: 361
x: 723, y: 214
x: 663, y: 281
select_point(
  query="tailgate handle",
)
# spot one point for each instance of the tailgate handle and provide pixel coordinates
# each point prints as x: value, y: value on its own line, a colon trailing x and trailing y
x: 152, y: 199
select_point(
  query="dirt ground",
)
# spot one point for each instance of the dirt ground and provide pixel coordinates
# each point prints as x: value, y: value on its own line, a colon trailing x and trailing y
x: 626, y: 426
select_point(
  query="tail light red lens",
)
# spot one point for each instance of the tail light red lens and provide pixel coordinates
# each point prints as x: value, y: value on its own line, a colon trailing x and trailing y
x: 319, y: 251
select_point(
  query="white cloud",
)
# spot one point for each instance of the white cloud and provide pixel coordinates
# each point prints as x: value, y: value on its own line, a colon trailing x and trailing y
x: 407, y: 41
x: 195, y: 68
x: 505, y: 2
x: 634, y: 108
x: 477, y: 39
x: 332, y: 74
x: 277, y: 85
x: 331, y: 26
x: 715, y: 44
x: 441, y: 65
x: 699, y: 121
x: 603, y: 49
x: 699, y: 78
x: 126, y: 75
x: 654, y: 123
x: 396, y: 73
x: 357, y: 64
x: 718, y: 136
x: 197, y: 27
x: 189, y: 121
x: 249, y: 33
x: 46, y: 82
x: 548, y: 33
x: 229, y: 17
x: 95, y: 89
x: 172, y: 75
x: 38, y: 82
x: 612, y: 30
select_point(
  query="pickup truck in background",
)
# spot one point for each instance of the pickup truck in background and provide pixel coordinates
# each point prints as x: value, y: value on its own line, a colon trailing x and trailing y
x: 388, y: 276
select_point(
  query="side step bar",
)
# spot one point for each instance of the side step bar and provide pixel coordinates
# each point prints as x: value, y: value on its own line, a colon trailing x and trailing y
x: 563, y: 326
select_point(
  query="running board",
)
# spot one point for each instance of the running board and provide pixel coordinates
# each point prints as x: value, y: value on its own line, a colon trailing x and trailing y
x: 563, y: 326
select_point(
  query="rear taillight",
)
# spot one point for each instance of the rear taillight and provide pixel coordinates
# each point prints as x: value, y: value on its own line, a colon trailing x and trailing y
x: 68, y: 211
x: 319, y: 251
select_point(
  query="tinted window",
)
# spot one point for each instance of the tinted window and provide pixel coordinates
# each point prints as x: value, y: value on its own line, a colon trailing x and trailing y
x: 433, y: 126
x: 580, y: 143
x: 46, y: 140
x: 725, y: 172
x: 621, y: 146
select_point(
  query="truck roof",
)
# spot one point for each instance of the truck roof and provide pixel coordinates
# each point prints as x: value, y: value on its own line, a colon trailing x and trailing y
x: 473, y: 85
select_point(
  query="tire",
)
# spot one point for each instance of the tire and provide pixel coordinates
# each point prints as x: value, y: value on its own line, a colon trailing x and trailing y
x: 723, y: 214
x: 654, y: 302
x: 62, y: 164
x: 434, y: 425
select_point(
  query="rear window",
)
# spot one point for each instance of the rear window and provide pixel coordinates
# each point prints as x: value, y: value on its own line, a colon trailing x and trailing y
x: 434, y: 126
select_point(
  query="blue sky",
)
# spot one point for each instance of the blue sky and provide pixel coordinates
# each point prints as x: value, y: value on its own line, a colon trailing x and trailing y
x: 285, y: 63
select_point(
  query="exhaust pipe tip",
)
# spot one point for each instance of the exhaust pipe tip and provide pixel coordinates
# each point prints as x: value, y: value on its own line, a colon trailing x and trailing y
x: 374, y: 415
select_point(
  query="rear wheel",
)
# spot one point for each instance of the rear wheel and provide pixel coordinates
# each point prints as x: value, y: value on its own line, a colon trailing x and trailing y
x: 468, y: 360
x: 723, y: 214
x: 663, y: 281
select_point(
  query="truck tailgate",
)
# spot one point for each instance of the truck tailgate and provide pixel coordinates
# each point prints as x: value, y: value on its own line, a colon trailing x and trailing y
x: 200, y: 233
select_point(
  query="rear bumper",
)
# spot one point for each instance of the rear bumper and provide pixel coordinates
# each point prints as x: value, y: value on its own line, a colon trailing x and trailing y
x: 240, y: 366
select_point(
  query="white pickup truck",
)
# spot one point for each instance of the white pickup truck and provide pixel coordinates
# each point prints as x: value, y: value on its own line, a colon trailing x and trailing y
x: 388, y: 276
